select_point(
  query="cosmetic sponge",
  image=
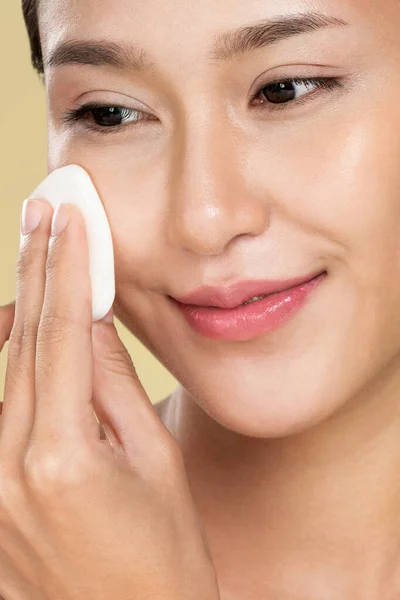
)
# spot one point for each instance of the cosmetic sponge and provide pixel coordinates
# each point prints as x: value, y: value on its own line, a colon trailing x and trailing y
x: 73, y: 185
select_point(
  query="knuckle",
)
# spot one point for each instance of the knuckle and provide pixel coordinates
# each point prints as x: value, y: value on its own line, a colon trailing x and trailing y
x: 22, y: 336
x: 118, y: 361
x: 26, y: 260
x: 56, y: 329
x: 53, y: 469
x: 16, y: 376
x: 57, y: 323
x: 59, y: 326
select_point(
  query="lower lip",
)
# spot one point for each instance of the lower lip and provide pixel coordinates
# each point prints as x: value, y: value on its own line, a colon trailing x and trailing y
x: 250, y: 321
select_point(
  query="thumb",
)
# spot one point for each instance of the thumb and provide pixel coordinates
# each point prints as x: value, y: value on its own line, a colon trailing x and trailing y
x: 125, y: 411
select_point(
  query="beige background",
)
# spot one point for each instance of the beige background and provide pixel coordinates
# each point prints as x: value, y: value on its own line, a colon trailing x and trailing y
x: 23, y: 150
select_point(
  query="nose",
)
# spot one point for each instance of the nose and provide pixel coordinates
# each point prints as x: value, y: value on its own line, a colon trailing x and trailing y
x: 210, y: 199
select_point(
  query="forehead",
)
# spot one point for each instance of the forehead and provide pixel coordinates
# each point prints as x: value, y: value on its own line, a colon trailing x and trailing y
x: 175, y: 30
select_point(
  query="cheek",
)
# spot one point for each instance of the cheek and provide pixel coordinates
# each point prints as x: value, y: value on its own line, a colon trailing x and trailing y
x: 133, y: 206
x: 356, y: 198
x: 343, y: 187
x: 350, y: 196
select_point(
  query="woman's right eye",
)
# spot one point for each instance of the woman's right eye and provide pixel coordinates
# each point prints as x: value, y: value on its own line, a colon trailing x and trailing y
x: 105, y: 117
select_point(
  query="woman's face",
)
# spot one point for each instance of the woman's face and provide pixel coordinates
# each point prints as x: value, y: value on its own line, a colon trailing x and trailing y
x: 226, y: 178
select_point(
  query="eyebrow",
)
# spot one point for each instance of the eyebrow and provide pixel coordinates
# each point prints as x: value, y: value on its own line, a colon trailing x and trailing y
x: 226, y: 46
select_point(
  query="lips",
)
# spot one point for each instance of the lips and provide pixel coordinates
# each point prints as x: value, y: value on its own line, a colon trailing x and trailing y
x: 239, y: 293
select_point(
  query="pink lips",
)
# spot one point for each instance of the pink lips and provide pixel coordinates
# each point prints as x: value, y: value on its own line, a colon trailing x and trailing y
x: 219, y: 313
x: 238, y: 293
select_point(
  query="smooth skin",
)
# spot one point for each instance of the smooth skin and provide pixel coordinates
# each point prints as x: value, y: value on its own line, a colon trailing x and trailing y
x: 290, y: 441
x: 82, y: 517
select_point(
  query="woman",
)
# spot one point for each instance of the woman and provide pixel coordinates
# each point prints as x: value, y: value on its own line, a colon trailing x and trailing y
x: 231, y: 143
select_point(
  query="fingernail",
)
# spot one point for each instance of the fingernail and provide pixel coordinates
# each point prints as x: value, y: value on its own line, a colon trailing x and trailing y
x: 32, y: 214
x: 60, y: 220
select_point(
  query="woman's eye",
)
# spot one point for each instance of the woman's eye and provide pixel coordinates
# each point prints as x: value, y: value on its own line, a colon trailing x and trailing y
x: 112, y: 117
x: 288, y: 91
x: 109, y: 116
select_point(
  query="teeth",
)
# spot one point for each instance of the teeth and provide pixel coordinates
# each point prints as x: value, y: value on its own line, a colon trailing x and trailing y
x: 254, y: 299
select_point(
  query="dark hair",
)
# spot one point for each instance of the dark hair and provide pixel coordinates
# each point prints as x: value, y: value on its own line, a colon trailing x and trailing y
x: 30, y: 12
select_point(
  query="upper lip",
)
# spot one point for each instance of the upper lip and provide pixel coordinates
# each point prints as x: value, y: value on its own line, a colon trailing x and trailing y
x: 238, y: 293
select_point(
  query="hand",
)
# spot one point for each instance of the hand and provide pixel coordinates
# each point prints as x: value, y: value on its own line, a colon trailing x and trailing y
x: 83, y: 518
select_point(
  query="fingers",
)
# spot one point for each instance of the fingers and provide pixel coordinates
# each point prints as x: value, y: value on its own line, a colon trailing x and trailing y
x: 18, y: 410
x: 48, y: 378
x: 122, y: 405
x: 63, y: 410
x: 7, y: 313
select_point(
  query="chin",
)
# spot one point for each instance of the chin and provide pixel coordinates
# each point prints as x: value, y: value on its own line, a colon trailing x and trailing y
x: 271, y: 411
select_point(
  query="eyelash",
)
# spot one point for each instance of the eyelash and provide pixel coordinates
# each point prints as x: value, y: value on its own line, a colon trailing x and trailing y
x: 78, y: 114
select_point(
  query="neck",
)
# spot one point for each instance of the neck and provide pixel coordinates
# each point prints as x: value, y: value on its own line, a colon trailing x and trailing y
x: 303, y: 510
